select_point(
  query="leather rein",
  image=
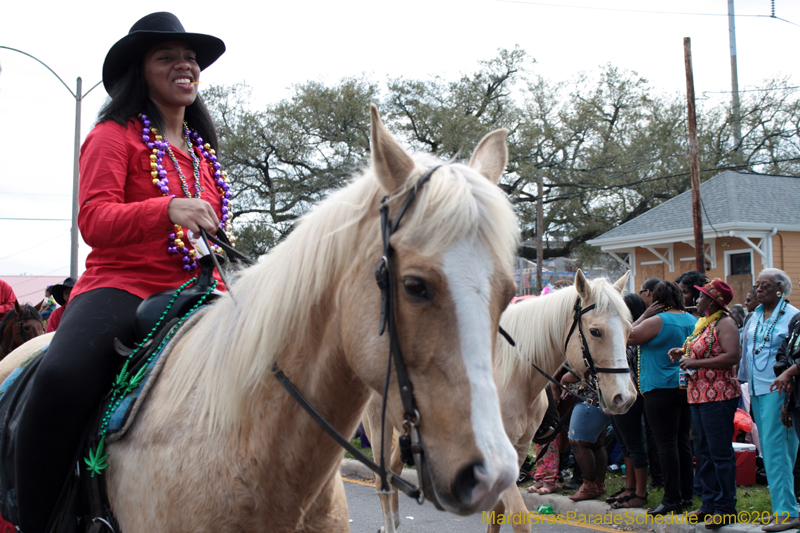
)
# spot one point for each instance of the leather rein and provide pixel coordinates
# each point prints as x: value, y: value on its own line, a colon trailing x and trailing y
x: 410, y: 442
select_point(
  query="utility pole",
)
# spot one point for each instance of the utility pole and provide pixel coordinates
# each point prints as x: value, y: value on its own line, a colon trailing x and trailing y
x: 694, y: 159
x: 540, y: 231
x: 78, y: 95
x: 735, y: 116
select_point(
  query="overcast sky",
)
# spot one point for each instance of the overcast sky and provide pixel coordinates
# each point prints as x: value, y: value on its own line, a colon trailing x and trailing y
x: 273, y: 45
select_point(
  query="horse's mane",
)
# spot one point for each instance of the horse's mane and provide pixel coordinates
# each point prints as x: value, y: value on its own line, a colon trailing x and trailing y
x: 539, y: 326
x: 274, y: 302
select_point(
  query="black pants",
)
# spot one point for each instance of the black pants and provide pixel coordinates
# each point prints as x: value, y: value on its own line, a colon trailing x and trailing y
x: 671, y: 422
x: 77, y: 370
x: 630, y: 433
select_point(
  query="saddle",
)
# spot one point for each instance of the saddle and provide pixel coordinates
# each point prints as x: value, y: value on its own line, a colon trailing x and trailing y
x: 84, y: 503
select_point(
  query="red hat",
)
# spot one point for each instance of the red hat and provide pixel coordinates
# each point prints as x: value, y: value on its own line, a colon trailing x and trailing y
x: 719, y: 291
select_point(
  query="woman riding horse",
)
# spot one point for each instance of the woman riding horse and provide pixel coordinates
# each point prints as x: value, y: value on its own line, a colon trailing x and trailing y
x: 148, y: 175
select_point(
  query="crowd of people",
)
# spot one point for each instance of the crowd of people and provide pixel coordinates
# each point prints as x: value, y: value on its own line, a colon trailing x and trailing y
x: 695, y: 359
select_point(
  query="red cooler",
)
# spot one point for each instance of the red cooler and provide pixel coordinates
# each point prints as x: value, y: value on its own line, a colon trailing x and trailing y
x: 745, y: 463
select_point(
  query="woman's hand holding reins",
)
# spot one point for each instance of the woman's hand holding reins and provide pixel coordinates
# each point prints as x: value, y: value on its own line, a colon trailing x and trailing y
x: 193, y: 214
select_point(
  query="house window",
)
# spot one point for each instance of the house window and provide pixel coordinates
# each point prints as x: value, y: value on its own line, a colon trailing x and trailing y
x: 740, y: 264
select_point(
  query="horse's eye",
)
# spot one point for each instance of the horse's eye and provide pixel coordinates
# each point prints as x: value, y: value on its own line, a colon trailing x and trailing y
x: 596, y: 332
x: 415, y: 287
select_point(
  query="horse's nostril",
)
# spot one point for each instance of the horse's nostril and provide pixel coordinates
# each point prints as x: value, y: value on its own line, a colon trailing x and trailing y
x: 619, y: 401
x: 465, y: 482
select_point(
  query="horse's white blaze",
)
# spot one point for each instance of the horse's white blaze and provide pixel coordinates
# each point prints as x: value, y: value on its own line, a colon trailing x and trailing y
x: 468, y: 267
x: 622, y: 381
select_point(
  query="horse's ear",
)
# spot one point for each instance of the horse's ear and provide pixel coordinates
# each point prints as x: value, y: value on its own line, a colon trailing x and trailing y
x: 582, y: 285
x: 392, y: 164
x: 491, y: 156
x: 621, y: 282
x: 17, y: 307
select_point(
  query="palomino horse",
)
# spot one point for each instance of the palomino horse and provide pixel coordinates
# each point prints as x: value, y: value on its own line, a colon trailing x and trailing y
x: 541, y: 329
x: 219, y: 445
x: 20, y: 325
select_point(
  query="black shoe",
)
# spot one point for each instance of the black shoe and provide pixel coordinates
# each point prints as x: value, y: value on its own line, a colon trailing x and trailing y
x: 656, y: 485
x: 686, y: 503
x: 573, y: 484
x: 524, y: 477
x: 716, y: 521
x: 699, y: 515
x: 665, y: 508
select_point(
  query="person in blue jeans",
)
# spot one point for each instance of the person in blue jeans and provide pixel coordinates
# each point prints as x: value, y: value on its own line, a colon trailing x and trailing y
x: 710, y: 354
x: 667, y: 325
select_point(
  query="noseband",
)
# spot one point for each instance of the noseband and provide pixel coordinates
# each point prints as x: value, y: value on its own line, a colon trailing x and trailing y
x: 591, y: 369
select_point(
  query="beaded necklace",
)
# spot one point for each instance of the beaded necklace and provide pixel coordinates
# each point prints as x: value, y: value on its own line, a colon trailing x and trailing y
x: 704, y: 322
x: 767, y: 336
x: 194, y: 143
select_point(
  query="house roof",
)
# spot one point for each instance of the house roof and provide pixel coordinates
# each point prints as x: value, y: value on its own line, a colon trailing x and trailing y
x: 732, y: 201
x: 30, y: 289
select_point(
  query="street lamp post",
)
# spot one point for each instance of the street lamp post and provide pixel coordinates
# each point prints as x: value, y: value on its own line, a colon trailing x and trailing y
x: 78, y: 96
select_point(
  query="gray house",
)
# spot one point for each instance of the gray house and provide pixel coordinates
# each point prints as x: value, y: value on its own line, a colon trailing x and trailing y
x: 750, y: 222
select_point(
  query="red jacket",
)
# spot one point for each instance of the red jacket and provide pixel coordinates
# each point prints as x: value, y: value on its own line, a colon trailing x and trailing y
x: 123, y: 216
x: 55, y: 318
x: 7, y: 298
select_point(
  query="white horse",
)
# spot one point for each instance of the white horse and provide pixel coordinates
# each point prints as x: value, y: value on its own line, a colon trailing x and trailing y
x: 220, y: 446
x: 540, y: 328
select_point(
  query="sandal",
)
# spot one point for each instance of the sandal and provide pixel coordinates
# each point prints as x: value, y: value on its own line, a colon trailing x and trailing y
x: 535, y: 487
x: 614, y: 497
x: 547, y: 488
x: 630, y: 501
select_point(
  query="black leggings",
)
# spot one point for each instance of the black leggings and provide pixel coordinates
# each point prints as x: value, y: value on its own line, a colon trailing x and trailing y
x: 668, y: 409
x: 72, y: 378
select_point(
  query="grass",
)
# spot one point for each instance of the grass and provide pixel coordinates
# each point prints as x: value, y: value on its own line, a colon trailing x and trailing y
x: 754, y: 499
x: 357, y: 443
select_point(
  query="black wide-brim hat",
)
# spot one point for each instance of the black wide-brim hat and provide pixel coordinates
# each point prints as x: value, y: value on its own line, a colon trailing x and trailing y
x: 58, y: 290
x: 150, y: 30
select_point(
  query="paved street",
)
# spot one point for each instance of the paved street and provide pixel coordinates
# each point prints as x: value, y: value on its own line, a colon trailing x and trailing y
x: 365, y: 515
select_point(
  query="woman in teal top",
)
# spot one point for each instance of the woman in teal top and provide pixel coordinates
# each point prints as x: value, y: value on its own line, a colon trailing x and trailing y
x: 663, y: 326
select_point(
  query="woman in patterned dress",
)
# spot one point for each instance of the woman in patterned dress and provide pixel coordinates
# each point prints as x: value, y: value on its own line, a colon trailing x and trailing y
x: 709, y: 356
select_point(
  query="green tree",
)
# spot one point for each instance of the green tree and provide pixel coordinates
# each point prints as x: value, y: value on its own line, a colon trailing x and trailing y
x: 607, y: 147
x: 285, y: 158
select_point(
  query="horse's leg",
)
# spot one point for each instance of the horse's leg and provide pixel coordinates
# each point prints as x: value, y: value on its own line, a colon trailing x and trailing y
x: 493, y: 526
x: 329, y: 511
x: 516, y: 507
x: 372, y: 427
x: 396, y: 464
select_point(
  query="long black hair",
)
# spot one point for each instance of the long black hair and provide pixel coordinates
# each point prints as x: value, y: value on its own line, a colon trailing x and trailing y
x: 689, y: 279
x: 129, y: 97
x: 635, y: 305
x: 669, y: 294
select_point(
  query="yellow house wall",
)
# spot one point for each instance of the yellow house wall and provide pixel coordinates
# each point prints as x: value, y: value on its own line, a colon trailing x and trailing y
x: 786, y: 256
x: 786, y: 247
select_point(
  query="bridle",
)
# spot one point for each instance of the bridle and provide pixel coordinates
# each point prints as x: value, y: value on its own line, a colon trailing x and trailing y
x: 411, y: 449
x: 591, y: 369
x: 21, y: 328
x: 410, y: 442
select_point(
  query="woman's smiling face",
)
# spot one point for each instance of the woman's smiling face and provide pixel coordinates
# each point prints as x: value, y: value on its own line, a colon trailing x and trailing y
x: 170, y: 69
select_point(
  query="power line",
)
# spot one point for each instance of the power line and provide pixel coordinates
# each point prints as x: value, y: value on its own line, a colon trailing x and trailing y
x: 34, y: 246
x: 40, y: 219
x: 644, y: 11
